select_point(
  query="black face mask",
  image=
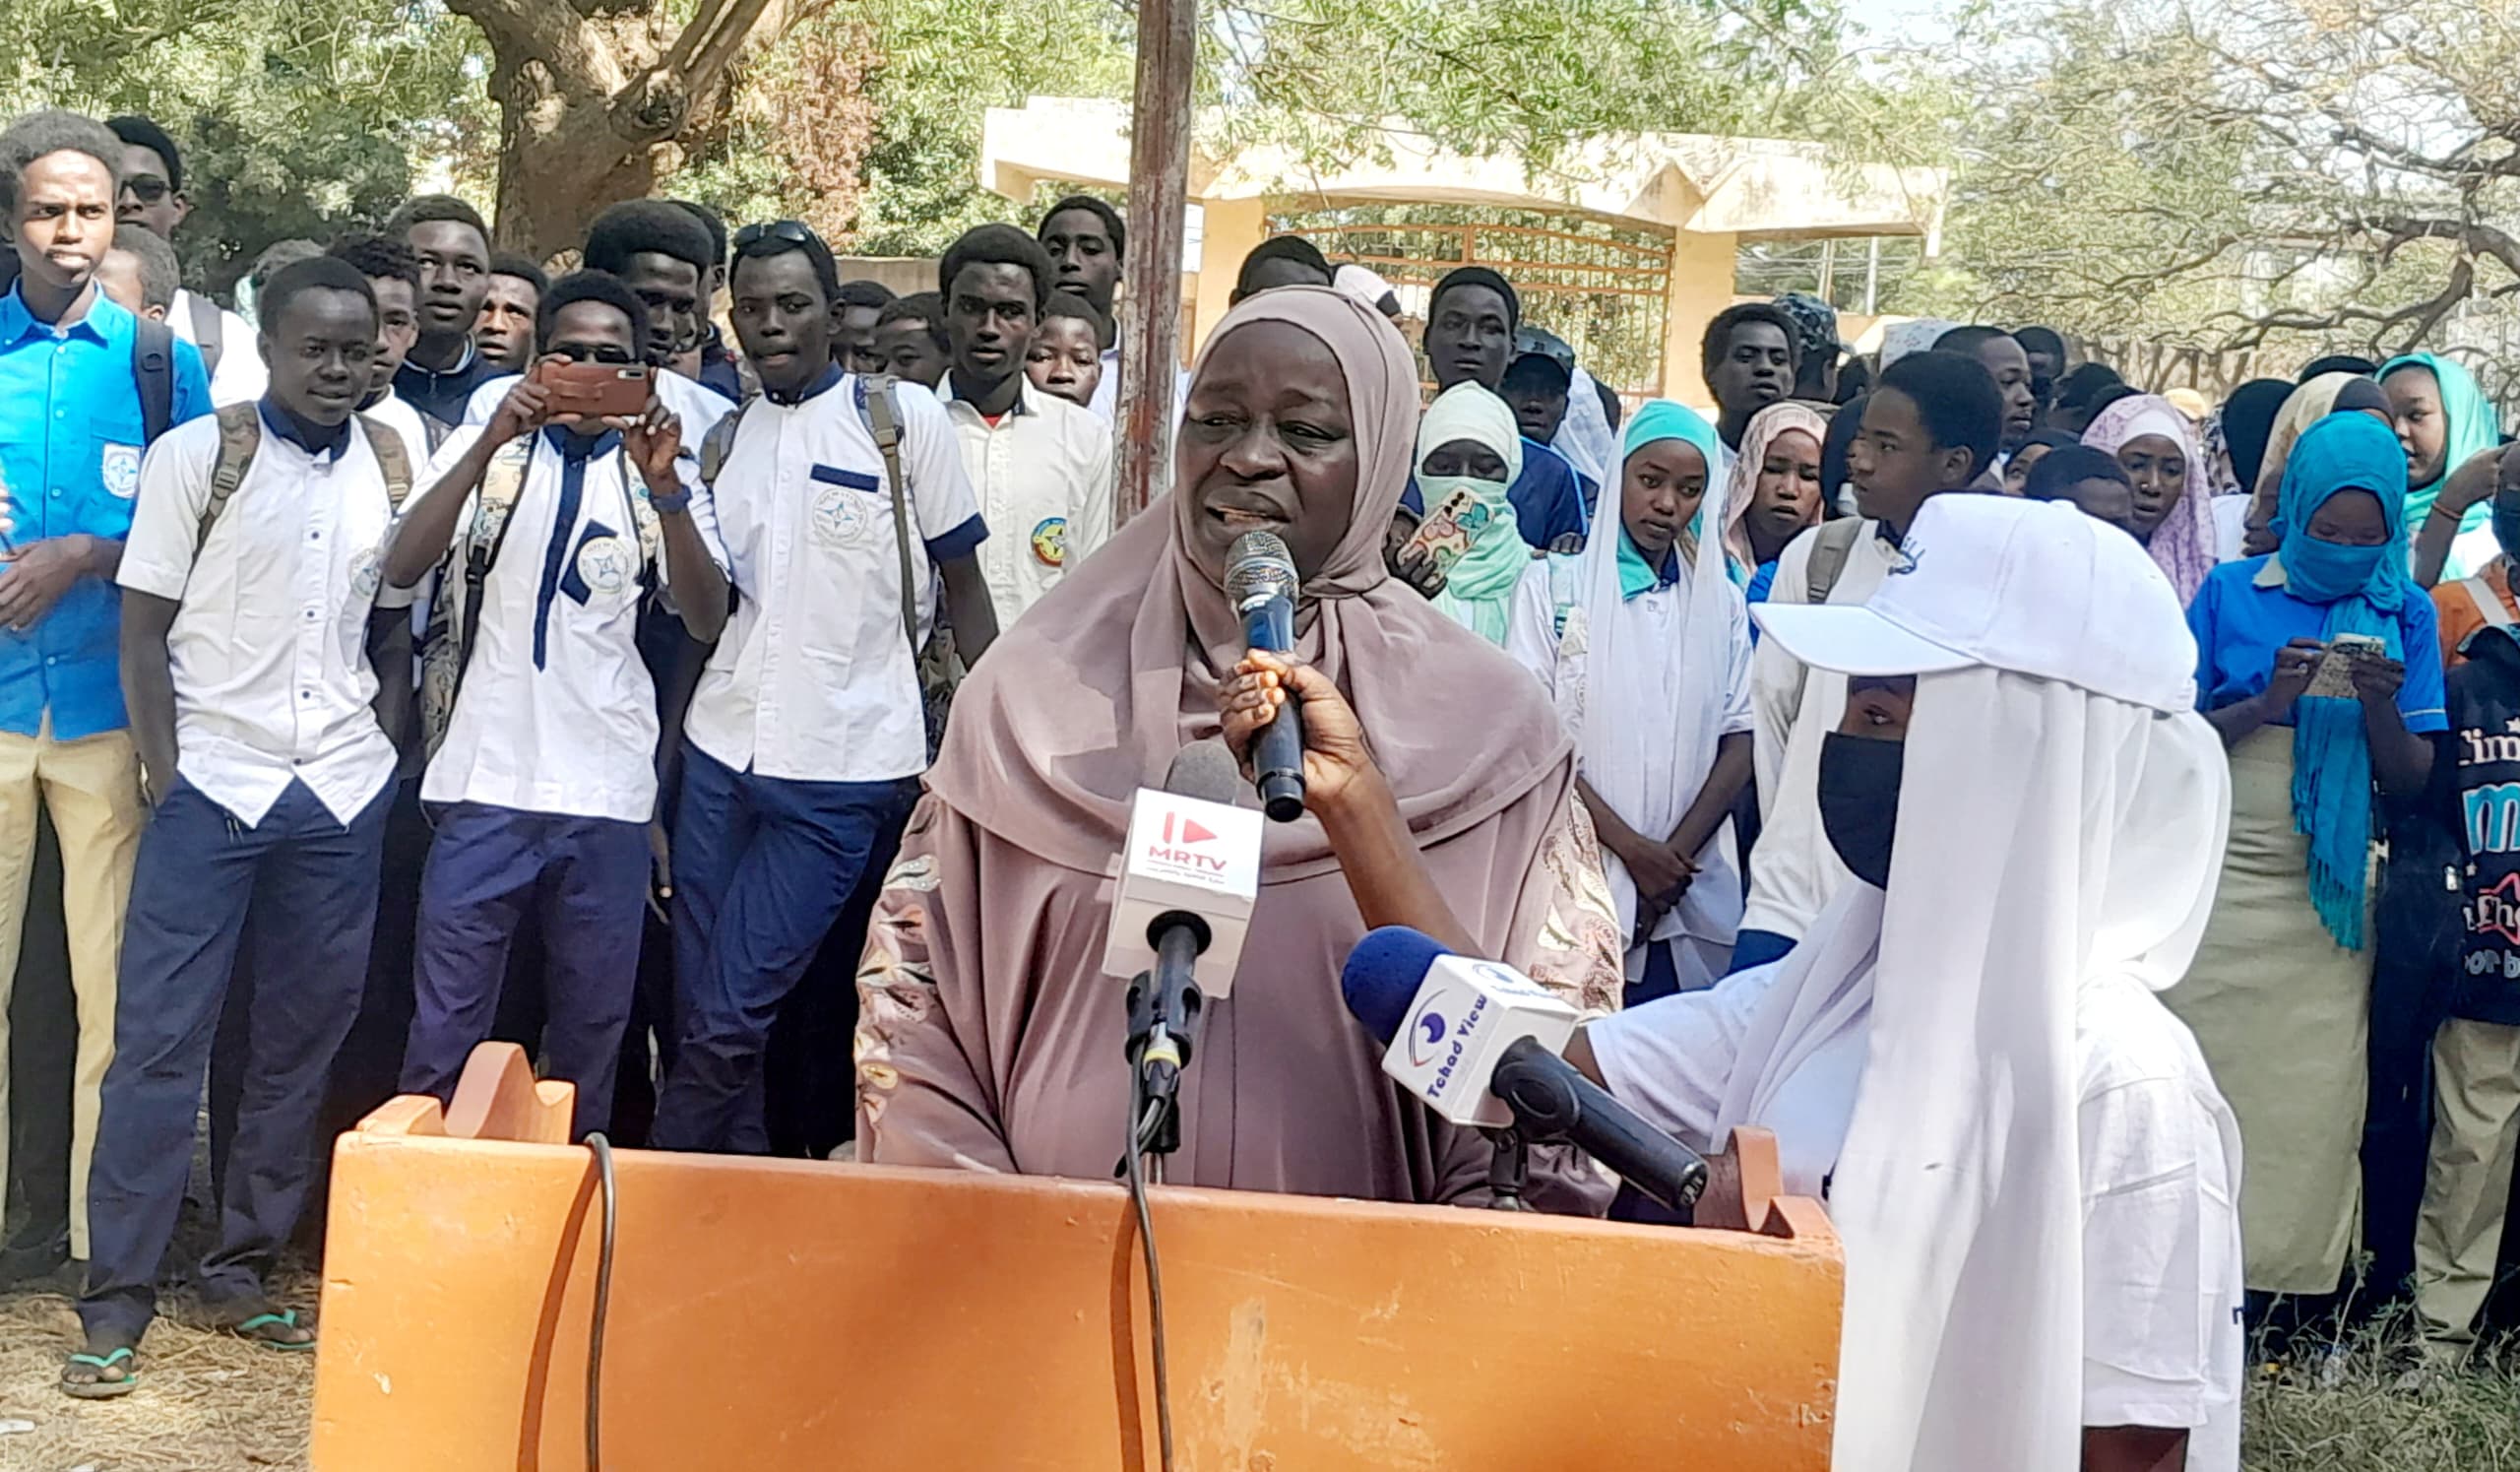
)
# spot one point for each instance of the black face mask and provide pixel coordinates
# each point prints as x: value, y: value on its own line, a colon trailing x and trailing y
x: 1859, y: 801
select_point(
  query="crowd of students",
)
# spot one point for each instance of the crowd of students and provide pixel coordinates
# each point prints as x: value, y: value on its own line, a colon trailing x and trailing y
x: 360, y: 668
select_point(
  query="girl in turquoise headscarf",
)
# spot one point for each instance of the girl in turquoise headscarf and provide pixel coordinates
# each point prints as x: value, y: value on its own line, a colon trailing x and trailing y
x: 2279, y: 993
x: 1644, y: 643
x: 1468, y: 441
x: 2443, y: 419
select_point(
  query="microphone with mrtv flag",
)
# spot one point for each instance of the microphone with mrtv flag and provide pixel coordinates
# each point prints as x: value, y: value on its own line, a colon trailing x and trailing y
x: 1187, y: 879
x: 1478, y: 1042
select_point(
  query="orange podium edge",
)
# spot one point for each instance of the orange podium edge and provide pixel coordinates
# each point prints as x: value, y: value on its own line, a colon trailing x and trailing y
x: 775, y: 1315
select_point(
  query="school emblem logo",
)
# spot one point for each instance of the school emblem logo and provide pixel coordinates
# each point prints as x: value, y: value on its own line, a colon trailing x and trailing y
x: 121, y: 470
x: 1049, y: 542
x: 604, y: 565
x: 840, y: 516
x: 367, y: 574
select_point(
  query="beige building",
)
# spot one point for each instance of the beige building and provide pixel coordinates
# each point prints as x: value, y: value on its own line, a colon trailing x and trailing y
x: 1653, y: 223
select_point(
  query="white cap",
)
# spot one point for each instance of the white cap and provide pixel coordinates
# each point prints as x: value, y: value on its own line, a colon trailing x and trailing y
x: 2035, y: 588
x: 1363, y: 283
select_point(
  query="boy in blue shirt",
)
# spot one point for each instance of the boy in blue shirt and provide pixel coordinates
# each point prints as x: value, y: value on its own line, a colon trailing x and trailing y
x: 72, y: 430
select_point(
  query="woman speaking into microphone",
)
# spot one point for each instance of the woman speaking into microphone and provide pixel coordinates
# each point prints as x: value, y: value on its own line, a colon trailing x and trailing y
x: 1440, y: 792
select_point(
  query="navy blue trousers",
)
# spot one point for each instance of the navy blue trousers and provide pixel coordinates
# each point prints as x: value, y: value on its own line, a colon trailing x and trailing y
x: 761, y: 870
x: 585, y: 881
x: 310, y: 884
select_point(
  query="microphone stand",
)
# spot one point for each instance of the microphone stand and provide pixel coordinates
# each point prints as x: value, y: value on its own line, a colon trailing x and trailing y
x: 1164, y: 1006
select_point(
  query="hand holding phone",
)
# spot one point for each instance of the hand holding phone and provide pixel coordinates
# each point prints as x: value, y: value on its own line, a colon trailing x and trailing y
x: 1445, y: 536
x: 2334, y: 677
x: 595, y: 391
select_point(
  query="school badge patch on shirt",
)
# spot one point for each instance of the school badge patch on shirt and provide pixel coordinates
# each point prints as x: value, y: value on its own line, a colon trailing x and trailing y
x: 120, y: 468
x: 604, y: 563
x: 840, y: 516
x: 1049, y: 542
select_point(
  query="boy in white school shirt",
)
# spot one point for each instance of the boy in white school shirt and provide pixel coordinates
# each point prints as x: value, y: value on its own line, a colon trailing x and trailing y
x: 252, y: 630
x: 545, y: 782
x: 806, y: 736
x: 1040, y: 465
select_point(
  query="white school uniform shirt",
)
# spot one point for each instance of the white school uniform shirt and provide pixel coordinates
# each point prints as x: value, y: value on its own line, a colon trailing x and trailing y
x: 1042, y: 479
x: 242, y: 377
x: 396, y: 413
x: 696, y: 405
x: 575, y: 733
x: 269, y: 645
x: 2160, y: 1161
x: 1107, y: 389
x: 1656, y: 619
x: 813, y: 680
x: 1794, y: 873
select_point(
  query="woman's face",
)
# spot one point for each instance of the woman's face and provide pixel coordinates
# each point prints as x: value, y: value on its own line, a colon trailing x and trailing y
x: 1787, y: 497
x: 1659, y: 490
x: 1267, y: 445
x: 2350, y: 517
x: 2017, y: 469
x: 2158, y: 466
x: 2424, y: 430
x: 1464, y: 457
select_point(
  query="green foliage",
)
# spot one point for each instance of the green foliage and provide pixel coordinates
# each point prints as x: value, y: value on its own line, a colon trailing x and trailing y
x: 295, y: 118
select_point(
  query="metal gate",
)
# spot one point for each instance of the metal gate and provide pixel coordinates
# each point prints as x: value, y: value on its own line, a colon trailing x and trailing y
x: 1603, y: 288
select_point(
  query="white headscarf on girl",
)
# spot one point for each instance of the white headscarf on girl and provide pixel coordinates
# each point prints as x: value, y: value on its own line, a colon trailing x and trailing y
x: 2049, y: 838
x: 1646, y: 714
x: 1584, y: 435
x: 1479, y: 593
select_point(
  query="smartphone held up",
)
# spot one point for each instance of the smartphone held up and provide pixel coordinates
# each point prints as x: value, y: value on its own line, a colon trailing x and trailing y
x: 595, y: 391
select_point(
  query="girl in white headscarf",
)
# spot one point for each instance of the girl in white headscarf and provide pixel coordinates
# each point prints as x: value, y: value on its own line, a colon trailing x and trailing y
x: 1468, y: 441
x: 2033, y: 1172
x: 1644, y: 645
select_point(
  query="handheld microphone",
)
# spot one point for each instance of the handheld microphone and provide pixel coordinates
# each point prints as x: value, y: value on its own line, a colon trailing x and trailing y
x: 1479, y: 1040
x: 1260, y: 582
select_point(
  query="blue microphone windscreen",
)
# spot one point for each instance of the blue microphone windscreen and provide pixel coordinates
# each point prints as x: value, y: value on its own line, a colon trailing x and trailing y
x: 1382, y: 975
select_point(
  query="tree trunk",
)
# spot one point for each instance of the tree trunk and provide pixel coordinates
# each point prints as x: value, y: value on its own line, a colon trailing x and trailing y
x: 598, y: 98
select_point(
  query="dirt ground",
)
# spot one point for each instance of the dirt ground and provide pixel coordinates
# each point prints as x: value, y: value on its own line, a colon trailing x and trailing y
x: 206, y: 1402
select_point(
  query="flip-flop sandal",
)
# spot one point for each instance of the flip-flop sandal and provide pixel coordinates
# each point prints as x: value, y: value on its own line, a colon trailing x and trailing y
x: 287, y: 1320
x: 100, y: 1388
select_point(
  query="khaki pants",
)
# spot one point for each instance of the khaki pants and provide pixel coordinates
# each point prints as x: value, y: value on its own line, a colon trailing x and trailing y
x: 2466, y: 1177
x: 91, y: 787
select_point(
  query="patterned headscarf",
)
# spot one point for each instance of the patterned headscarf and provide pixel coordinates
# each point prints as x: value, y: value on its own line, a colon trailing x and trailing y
x: 2183, y: 545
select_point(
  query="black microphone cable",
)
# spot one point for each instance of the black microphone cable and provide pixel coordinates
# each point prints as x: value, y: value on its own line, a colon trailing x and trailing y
x: 1145, y: 1117
x: 601, y: 1149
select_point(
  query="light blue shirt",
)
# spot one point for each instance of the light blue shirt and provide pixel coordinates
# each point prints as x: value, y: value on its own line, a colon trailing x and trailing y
x: 70, y: 449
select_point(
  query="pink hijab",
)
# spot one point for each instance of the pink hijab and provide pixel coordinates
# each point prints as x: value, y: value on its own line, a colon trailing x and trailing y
x: 1088, y: 697
x: 1764, y: 427
x: 2183, y: 545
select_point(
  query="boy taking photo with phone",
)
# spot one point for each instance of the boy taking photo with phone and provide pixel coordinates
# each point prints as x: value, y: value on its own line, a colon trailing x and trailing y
x: 553, y: 521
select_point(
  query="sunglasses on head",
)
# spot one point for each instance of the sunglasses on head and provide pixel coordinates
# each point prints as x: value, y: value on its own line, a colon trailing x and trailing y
x: 147, y: 189
x: 794, y: 231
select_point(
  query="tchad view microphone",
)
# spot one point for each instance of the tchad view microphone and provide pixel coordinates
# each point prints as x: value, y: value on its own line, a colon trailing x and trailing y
x: 1479, y: 1040
x: 1260, y: 582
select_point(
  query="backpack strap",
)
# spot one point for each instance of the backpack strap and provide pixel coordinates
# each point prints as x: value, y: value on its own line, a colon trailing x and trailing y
x: 152, y: 372
x: 1830, y: 548
x: 454, y: 616
x: 393, y: 457
x: 718, y: 444
x: 240, y: 434
x: 883, y: 413
x: 2488, y: 603
x: 210, y: 330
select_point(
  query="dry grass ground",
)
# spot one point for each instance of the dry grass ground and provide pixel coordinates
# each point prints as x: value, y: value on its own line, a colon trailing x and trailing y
x: 206, y: 1402
x: 2356, y: 1414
